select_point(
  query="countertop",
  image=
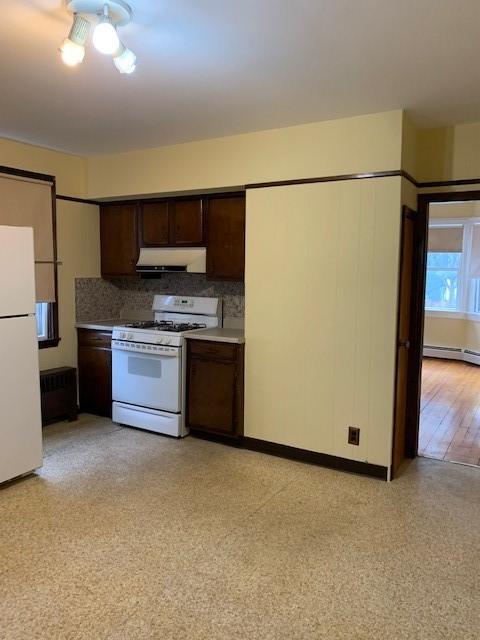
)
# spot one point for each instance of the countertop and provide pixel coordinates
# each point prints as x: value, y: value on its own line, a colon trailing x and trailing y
x: 235, y: 336
x: 102, y: 325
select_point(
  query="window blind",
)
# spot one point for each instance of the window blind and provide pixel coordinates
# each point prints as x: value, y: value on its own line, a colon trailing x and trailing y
x: 28, y: 203
x: 445, y: 239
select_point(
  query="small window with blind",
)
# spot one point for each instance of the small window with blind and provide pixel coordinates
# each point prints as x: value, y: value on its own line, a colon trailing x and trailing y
x: 444, y: 263
x: 27, y: 200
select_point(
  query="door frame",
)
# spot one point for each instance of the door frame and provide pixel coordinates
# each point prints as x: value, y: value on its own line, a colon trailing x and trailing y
x: 417, y: 318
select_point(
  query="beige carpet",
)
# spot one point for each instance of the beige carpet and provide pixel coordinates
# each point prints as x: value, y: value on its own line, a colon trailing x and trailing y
x: 126, y: 535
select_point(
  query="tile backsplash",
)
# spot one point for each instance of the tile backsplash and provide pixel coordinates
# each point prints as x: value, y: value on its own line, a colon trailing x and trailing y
x: 98, y: 299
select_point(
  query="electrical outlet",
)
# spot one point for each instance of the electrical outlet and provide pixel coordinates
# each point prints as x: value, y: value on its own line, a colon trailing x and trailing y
x: 353, y: 435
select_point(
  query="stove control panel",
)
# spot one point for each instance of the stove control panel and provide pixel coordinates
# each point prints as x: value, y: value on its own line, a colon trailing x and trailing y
x: 151, y: 337
x: 140, y: 347
x: 123, y: 335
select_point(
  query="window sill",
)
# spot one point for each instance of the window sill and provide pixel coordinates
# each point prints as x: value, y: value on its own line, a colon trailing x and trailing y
x: 46, y: 344
x: 443, y: 313
x: 452, y: 315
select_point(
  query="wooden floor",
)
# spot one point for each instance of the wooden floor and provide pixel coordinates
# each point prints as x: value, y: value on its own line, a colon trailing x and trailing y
x: 450, y: 414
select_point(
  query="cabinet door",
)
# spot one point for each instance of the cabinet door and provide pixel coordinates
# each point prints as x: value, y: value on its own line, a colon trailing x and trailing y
x: 186, y: 219
x: 95, y: 380
x: 212, y: 395
x: 154, y: 224
x: 226, y: 238
x: 118, y: 239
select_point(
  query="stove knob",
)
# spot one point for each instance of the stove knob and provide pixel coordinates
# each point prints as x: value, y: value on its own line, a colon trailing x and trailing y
x: 166, y: 341
x: 122, y: 336
x: 129, y: 336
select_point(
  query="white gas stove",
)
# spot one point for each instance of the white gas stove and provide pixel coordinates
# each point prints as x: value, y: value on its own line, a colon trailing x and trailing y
x: 148, y: 363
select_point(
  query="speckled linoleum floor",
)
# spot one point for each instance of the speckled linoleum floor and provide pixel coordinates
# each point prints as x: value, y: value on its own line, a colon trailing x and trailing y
x: 125, y: 535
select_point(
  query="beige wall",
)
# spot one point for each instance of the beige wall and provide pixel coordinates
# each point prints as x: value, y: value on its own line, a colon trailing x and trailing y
x: 472, y: 336
x: 69, y: 170
x: 410, y: 144
x: 351, y: 145
x: 321, y: 291
x: 448, y: 153
x: 78, y: 244
x: 454, y: 210
x: 444, y: 332
x: 452, y: 332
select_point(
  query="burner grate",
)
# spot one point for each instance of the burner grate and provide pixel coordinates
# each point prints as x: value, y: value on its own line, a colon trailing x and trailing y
x: 167, y: 325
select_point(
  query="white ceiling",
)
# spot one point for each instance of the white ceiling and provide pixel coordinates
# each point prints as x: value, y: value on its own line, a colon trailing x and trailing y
x: 209, y: 68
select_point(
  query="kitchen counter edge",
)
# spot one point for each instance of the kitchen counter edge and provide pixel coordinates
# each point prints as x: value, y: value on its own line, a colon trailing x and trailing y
x: 100, y: 325
x: 233, y: 336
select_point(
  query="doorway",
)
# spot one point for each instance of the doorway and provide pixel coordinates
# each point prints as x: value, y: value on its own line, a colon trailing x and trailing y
x: 437, y: 406
x: 450, y: 384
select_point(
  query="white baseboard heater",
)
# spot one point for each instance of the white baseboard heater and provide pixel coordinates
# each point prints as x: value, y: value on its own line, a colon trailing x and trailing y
x: 452, y: 353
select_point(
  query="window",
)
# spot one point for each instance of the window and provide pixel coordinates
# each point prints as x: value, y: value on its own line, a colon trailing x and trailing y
x: 476, y: 295
x: 45, y: 315
x: 453, y: 266
x: 42, y: 320
x: 27, y: 199
x: 443, y: 275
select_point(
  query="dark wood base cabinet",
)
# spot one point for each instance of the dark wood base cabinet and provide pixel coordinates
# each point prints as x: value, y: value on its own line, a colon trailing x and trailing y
x: 95, y: 371
x: 215, y: 388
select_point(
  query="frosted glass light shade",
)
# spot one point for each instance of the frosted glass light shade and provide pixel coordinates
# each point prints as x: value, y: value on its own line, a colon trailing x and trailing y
x: 73, y: 47
x: 125, y: 60
x: 72, y: 53
x: 105, y: 38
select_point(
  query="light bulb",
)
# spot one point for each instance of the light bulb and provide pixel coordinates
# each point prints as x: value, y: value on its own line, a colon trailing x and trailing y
x: 72, y: 49
x: 72, y: 53
x: 125, y: 60
x: 105, y: 37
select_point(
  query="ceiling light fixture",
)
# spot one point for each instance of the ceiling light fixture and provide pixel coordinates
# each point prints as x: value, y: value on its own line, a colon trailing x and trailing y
x: 107, y: 15
x: 73, y: 47
x: 105, y: 37
x: 125, y: 60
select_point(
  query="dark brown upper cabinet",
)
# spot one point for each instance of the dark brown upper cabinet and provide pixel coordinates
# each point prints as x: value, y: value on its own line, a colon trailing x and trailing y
x: 173, y: 223
x: 186, y: 223
x: 226, y: 238
x: 118, y: 239
x: 154, y: 224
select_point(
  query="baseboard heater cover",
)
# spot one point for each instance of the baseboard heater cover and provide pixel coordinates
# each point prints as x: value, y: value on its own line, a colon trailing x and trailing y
x: 452, y: 353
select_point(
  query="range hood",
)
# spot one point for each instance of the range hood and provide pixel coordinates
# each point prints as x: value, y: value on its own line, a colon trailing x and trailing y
x: 151, y: 261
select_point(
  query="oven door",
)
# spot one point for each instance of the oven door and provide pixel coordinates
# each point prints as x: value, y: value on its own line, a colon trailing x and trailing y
x: 148, y: 380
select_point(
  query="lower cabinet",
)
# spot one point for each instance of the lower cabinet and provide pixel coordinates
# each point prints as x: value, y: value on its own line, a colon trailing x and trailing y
x: 95, y: 371
x: 215, y: 387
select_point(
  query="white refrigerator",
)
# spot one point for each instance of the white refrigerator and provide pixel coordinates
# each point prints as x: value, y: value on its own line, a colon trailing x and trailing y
x: 20, y: 414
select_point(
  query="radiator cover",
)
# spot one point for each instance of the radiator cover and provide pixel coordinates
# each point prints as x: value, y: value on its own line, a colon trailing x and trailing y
x: 58, y: 392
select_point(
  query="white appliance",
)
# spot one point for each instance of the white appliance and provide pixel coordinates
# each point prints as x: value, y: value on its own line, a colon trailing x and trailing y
x: 157, y: 260
x: 148, y: 363
x: 20, y: 414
